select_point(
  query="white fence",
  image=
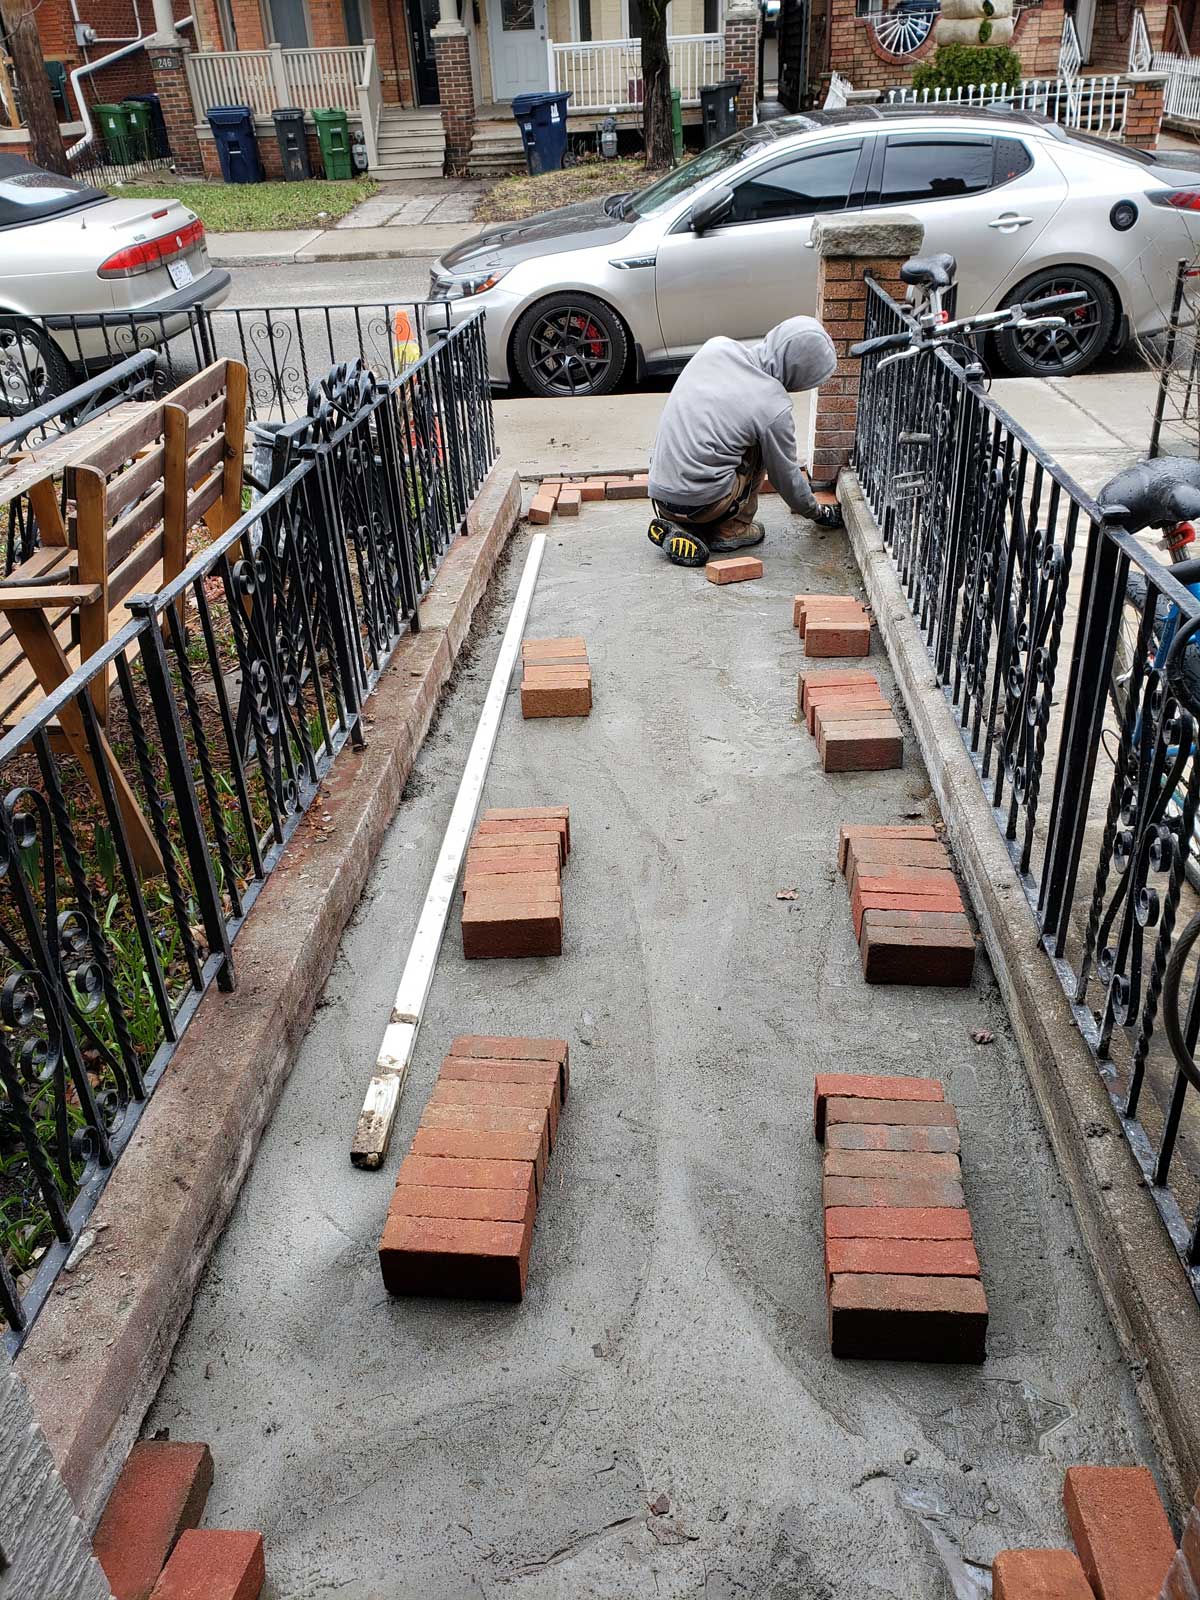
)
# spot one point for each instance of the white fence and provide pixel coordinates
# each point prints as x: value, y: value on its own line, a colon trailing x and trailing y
x: 606, y: 75
x: 1181, y: 93
x: 267, y: 79
x: 1094, y: 105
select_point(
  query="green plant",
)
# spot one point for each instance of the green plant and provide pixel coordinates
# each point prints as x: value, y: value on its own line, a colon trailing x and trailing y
x: 958, y: 66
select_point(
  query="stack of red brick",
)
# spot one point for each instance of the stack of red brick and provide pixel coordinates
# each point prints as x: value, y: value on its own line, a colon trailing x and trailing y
x: 846, y: 713
x: 1125, y: 1547
x: 565, y: 496
x: 461, y: 1218
x: 908, y: 913
x: 832, y: 624
x: 512, y: 888
x: 901, y: 1274
x: 149, y: 1540
x: 556, y: 680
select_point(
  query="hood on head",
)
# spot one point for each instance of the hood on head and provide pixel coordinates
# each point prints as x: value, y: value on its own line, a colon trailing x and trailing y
x: 798, y: 352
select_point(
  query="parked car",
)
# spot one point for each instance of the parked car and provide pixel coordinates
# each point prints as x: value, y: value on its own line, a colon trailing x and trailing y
x: 576, y: 296
x: 76, y: 265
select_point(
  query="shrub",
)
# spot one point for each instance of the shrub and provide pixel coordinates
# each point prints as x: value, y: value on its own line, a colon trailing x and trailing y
x: 957, y: 66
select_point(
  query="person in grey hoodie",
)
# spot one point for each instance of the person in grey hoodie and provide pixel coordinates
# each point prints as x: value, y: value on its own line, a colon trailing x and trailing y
x: 726, y: 425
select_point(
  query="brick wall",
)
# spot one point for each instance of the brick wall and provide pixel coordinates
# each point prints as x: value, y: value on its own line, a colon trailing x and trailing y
x: 741, y: 57
x: 171, y: 86
x: 457, y: 93
x: 1143, y: 121
x: 269, y: 154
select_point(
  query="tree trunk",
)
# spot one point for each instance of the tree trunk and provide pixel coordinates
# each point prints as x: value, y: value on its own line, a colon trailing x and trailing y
x: 33, y: 85
x: 656, y: 81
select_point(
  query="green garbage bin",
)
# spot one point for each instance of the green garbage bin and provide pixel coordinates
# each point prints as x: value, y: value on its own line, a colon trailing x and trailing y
x: 141, y: 131
x: 115, y: 124
x: 333, y: 135
x: 677, y: 124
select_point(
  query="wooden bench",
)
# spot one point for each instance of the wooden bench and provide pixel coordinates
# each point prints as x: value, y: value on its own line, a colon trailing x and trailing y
x: 131, y: 501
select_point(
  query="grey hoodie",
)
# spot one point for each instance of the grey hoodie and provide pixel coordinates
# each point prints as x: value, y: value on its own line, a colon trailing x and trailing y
x: 729, y: 397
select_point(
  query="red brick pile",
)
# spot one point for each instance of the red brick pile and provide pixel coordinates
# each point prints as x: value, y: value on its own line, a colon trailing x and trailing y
x: 733, y: 569
x: 564, y: 496
x: 512, y: 887
x: 832, y: 624
x: 556, y: 680
x: 901, y: 1275
x: 1125, y: 1547
x: 149, y: 1541
x: 909, y: 917
x: 846, y: 713
x: 461, y: 1218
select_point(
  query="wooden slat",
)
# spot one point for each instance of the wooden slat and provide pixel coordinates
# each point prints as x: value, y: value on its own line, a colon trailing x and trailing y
x: 58, y: 594
x: 206, y: 460
x: 199, y: 502
x: 91, y: 542
x: 43, y: 499
x: 202, y: 424
x: 134, y: 525
x: 128, y: 487
x: 127, y: 578
x: 124, y: 445
x: 198, y: 391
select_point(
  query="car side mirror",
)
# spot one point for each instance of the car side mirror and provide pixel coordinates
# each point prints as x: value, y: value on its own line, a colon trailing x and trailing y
x: 712, y: 210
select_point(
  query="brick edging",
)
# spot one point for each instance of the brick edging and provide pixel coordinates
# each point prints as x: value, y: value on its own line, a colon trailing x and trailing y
x: 1151, y: 1306
x: 97, y: 1353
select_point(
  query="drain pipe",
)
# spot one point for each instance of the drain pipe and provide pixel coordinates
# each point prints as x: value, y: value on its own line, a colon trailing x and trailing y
x: 163, y: 35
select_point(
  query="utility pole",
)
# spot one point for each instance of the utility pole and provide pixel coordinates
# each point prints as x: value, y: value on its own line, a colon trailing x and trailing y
x: 33, y: 85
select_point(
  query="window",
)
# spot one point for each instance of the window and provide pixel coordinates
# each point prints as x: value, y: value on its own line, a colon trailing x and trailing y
x: 712, y: 16
x: 800, y: 188
x: 289, y: 23
x: 583, y: 31
x: 1012, y: 159
x: 920, y: 168
x: 635, y: 20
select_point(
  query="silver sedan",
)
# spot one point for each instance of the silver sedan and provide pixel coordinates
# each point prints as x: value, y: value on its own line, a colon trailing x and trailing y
x: 577, y: 297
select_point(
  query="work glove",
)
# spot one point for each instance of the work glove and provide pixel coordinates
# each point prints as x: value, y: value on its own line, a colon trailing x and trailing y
x: 828, y: 517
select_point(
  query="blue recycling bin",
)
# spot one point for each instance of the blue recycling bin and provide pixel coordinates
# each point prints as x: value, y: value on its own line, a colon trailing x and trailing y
x: 542, y: 119
x: 237, y: 144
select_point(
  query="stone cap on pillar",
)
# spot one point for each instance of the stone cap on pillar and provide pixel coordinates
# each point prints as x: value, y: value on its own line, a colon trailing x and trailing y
x: 1144, y: 77
x: 741, y: 11
x: 897, y: 234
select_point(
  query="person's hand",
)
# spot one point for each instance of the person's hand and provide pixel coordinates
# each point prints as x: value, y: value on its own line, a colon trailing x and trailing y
x: 829, y: 517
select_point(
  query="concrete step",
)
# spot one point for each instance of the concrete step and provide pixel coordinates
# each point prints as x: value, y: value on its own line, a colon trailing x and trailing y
x: 414, y: 148
x: 396, y: 115
x: 400, y: 174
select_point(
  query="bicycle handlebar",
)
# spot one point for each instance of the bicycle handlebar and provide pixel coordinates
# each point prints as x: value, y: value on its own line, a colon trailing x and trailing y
x: 884, y: 341
x: 1053, y: 302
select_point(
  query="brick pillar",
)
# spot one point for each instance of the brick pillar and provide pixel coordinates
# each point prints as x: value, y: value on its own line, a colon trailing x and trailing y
x: 741, y: 55
x: 171, y: 86
x: 456, y: 91
x: 846, y: 252
x: 1143, y: 122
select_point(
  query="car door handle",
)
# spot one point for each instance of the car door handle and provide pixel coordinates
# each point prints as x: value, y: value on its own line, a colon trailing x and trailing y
x: 1009, y: 221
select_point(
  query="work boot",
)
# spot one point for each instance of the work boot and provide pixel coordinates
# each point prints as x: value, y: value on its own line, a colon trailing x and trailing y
x: 736, y: 536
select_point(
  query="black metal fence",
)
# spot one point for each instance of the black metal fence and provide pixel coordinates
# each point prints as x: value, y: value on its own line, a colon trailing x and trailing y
x: 233, y: 690
x: 1176, y: 426
x: 1062, y: 645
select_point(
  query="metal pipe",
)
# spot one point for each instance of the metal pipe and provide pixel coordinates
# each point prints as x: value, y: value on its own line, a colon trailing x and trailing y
x: 88, y: 67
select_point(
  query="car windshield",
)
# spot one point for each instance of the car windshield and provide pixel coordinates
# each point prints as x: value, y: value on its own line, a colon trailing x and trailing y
x: 27, y: 194
x: 717, y: 158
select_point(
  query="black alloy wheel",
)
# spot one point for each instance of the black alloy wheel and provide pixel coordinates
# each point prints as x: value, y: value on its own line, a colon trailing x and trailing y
x: 570, y: 345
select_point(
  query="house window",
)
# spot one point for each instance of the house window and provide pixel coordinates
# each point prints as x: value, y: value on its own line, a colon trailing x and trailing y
x: 583, y: 30
x: 228, y: 25
x: 712, y: 16
x: 635, y: 19
x: 289, y: 23
x: 352, y: 13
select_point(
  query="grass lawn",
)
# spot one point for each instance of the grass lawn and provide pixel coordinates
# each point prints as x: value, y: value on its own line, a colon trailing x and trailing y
x: 524, y: 196
x: 238, y: 207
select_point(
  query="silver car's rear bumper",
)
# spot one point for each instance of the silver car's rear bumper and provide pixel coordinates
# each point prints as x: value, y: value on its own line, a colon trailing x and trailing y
x: 92, y: 337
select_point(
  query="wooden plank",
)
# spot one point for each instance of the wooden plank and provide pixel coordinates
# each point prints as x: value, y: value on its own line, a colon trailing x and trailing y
x: 175, y: 487
x: 236, y: 397
x: 201, y: 501
x: 128, y: 487
x: 43, y: 498
x: 205, y: 386
x: 203, y: 424
x: 129, y: 577
x: 124, y: 445
x: 31, y: 598
x: 91, y: 522
x: 207, y: 459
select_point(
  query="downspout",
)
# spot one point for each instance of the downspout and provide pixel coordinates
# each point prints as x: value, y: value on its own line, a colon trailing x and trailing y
x: 89, y: 131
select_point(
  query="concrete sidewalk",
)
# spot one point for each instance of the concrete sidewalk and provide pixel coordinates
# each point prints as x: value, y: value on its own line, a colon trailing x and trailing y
x: 285, y: 245
x: 673, y: 1341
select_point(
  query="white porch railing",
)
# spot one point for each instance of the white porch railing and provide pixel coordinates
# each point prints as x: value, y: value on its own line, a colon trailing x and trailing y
x: 1095, y: 105
x: 1140, y: 51
x: 267, y: 79
x: 606, y: 75
x: 1070, y: 59
x: 1181, y: 93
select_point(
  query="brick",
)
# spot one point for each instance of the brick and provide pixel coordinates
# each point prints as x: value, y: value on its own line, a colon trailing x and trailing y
x: 455, y: 1257
x: 848, y: 1086
x: 870, y: 856
x: 879, y: 1136
x: 496, y: 1144
x: 867, y: 707
x: 551, y: 488
x: 1120, y: 1530
x: 734, y: 569
x: 912, y: 1193
x: 541, y: 509
x: 1179, y: 1585
x: 915, y: 954
x: 556, y: 692
x: 907, y: 900
x: 626, y: 488
x: 848, y: 833
x: 837, y: 638
x: 890, y: 1113
x: 531, y: 814
x: 593, y: 489
x: 494, y: 826
x: 214, y: 1564
x: 526, y: 886
x: 466, y: 1172
x: 472, y: 1205
x: 807, y: 607
x: 521, y: 858
x: 868, y: 746
x: 1039, y: 1575
x: 814, y: 678
x: 897, y: 1222
x: 918, y: 1164
x: 510, y: 929
x: 919, y: 1258
x: 569, y: 502
x: 476, y: 1069
x: 842, y: 696
x: 160, y: 1493
x: 493, y: 1092
x: 488, y: 842
x: 500, y: 1047
x: 891, y: 1317
x: 572, y: 645
x: 491, y: 1118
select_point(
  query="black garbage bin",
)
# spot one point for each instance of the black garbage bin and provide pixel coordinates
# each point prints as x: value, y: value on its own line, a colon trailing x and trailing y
x: 237, y: 145
x: 542, y: 119
x: 160, y: 145
x: 293, y: 142
x: 718, y: 109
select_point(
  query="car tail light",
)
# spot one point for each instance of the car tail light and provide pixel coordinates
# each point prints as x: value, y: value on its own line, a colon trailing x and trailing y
x: 1177, y: 199
x: 135, y: 259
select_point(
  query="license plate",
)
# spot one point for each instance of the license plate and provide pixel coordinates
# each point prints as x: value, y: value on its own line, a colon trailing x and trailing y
x: 181, y: 274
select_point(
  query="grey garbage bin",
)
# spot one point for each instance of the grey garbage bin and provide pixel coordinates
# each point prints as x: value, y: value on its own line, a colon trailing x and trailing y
x: 718, y: 109
x: 293, y: 142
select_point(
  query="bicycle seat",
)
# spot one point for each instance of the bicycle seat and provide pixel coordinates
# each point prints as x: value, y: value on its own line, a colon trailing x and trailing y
x: 1154, y: 494
x: 935, y: 272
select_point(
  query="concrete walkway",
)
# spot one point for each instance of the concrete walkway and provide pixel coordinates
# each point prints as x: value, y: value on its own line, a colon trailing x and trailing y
x: 672, y: 1342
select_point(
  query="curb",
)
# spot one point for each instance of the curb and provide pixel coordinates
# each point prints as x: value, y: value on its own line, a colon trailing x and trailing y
x: 96, y: 1355
x: 306, y: 255
x: 1153, y: 1310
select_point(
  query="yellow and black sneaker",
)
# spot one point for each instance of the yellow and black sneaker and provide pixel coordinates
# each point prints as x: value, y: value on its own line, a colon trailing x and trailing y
x: 659, y: 531
x: 684, y: 549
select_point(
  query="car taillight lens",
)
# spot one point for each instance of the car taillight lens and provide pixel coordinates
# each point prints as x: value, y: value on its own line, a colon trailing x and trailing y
x: 144, y: 257
x: 1177, y: 199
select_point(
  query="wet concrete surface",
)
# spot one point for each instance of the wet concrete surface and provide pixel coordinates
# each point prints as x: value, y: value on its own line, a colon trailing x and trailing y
x: 671, y: 1351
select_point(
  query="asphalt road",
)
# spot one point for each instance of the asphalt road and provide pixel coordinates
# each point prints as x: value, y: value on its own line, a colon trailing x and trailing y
x: 321, y: 283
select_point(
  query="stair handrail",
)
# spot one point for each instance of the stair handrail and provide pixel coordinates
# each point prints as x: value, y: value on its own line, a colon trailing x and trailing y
x: 370, y: 103
x: 1141, y: 53
x: 1070, y: 59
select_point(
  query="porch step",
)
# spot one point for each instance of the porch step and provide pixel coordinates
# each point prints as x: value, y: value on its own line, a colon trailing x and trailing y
x: 411, y: 144
x: 404, y: 174
x: 496, y: 149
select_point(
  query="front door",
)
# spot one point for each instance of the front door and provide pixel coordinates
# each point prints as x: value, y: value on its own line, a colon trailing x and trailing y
x: 422, y: 19
x: 517, y: 42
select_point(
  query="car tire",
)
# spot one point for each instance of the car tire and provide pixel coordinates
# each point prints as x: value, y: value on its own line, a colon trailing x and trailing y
x: 568, y: 345
x: 33, y: 369
x: 1060, y: 353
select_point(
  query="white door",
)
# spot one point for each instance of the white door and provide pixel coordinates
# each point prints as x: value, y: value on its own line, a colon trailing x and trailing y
x: 517, y: 42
